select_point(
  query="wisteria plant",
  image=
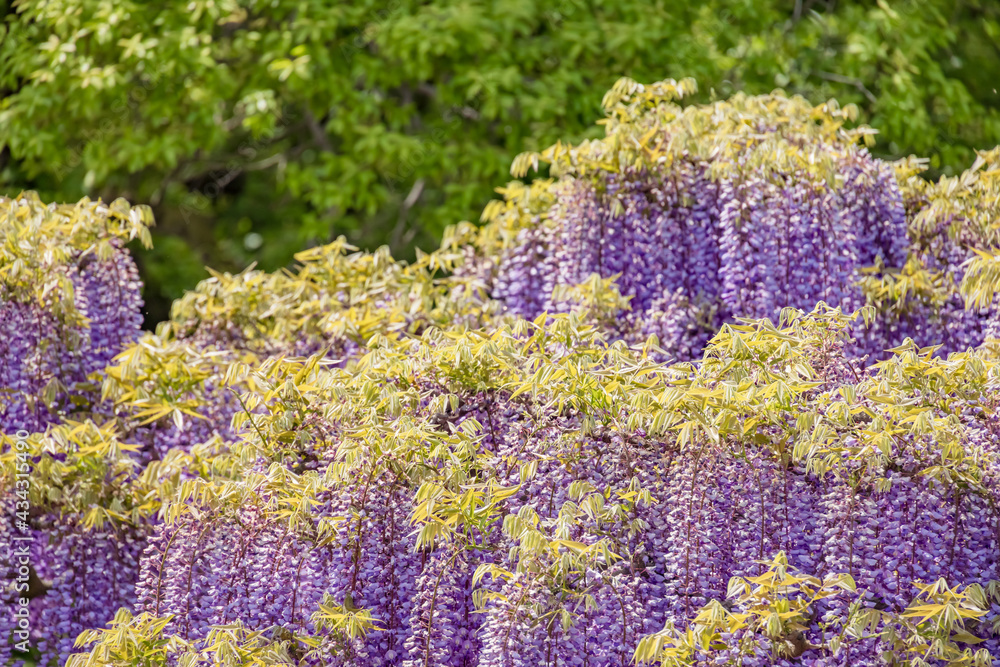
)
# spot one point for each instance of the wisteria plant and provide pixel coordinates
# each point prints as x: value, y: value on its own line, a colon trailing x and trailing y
x: 720, y: 389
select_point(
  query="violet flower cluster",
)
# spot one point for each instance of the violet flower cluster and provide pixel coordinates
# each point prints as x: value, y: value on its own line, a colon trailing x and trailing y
x: 694, y: 250
x: 47, y: 358
x: 716, y: 515
x: 70, y: 301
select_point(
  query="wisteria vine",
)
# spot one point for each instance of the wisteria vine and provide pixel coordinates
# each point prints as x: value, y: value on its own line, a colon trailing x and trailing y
x: 719, y: 391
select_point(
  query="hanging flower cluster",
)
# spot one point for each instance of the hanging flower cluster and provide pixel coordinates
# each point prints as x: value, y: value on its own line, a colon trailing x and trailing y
x: 69, y: 302
x: 738, y: 209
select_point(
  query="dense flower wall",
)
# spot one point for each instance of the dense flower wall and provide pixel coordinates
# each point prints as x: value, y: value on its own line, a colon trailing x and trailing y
x: 485, y: 458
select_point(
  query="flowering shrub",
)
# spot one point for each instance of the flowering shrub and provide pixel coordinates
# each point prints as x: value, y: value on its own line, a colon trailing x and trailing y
x: 69, y: 302
x: 741, y: 208
x: 485, y: 458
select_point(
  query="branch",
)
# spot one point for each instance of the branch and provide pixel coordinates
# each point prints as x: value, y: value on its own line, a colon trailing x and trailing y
x: 411, y: 199
x: 318, y: 134
x: 857, y: 83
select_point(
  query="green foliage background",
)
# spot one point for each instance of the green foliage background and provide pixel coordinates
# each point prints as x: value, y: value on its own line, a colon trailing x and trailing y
x: 256, y: 128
